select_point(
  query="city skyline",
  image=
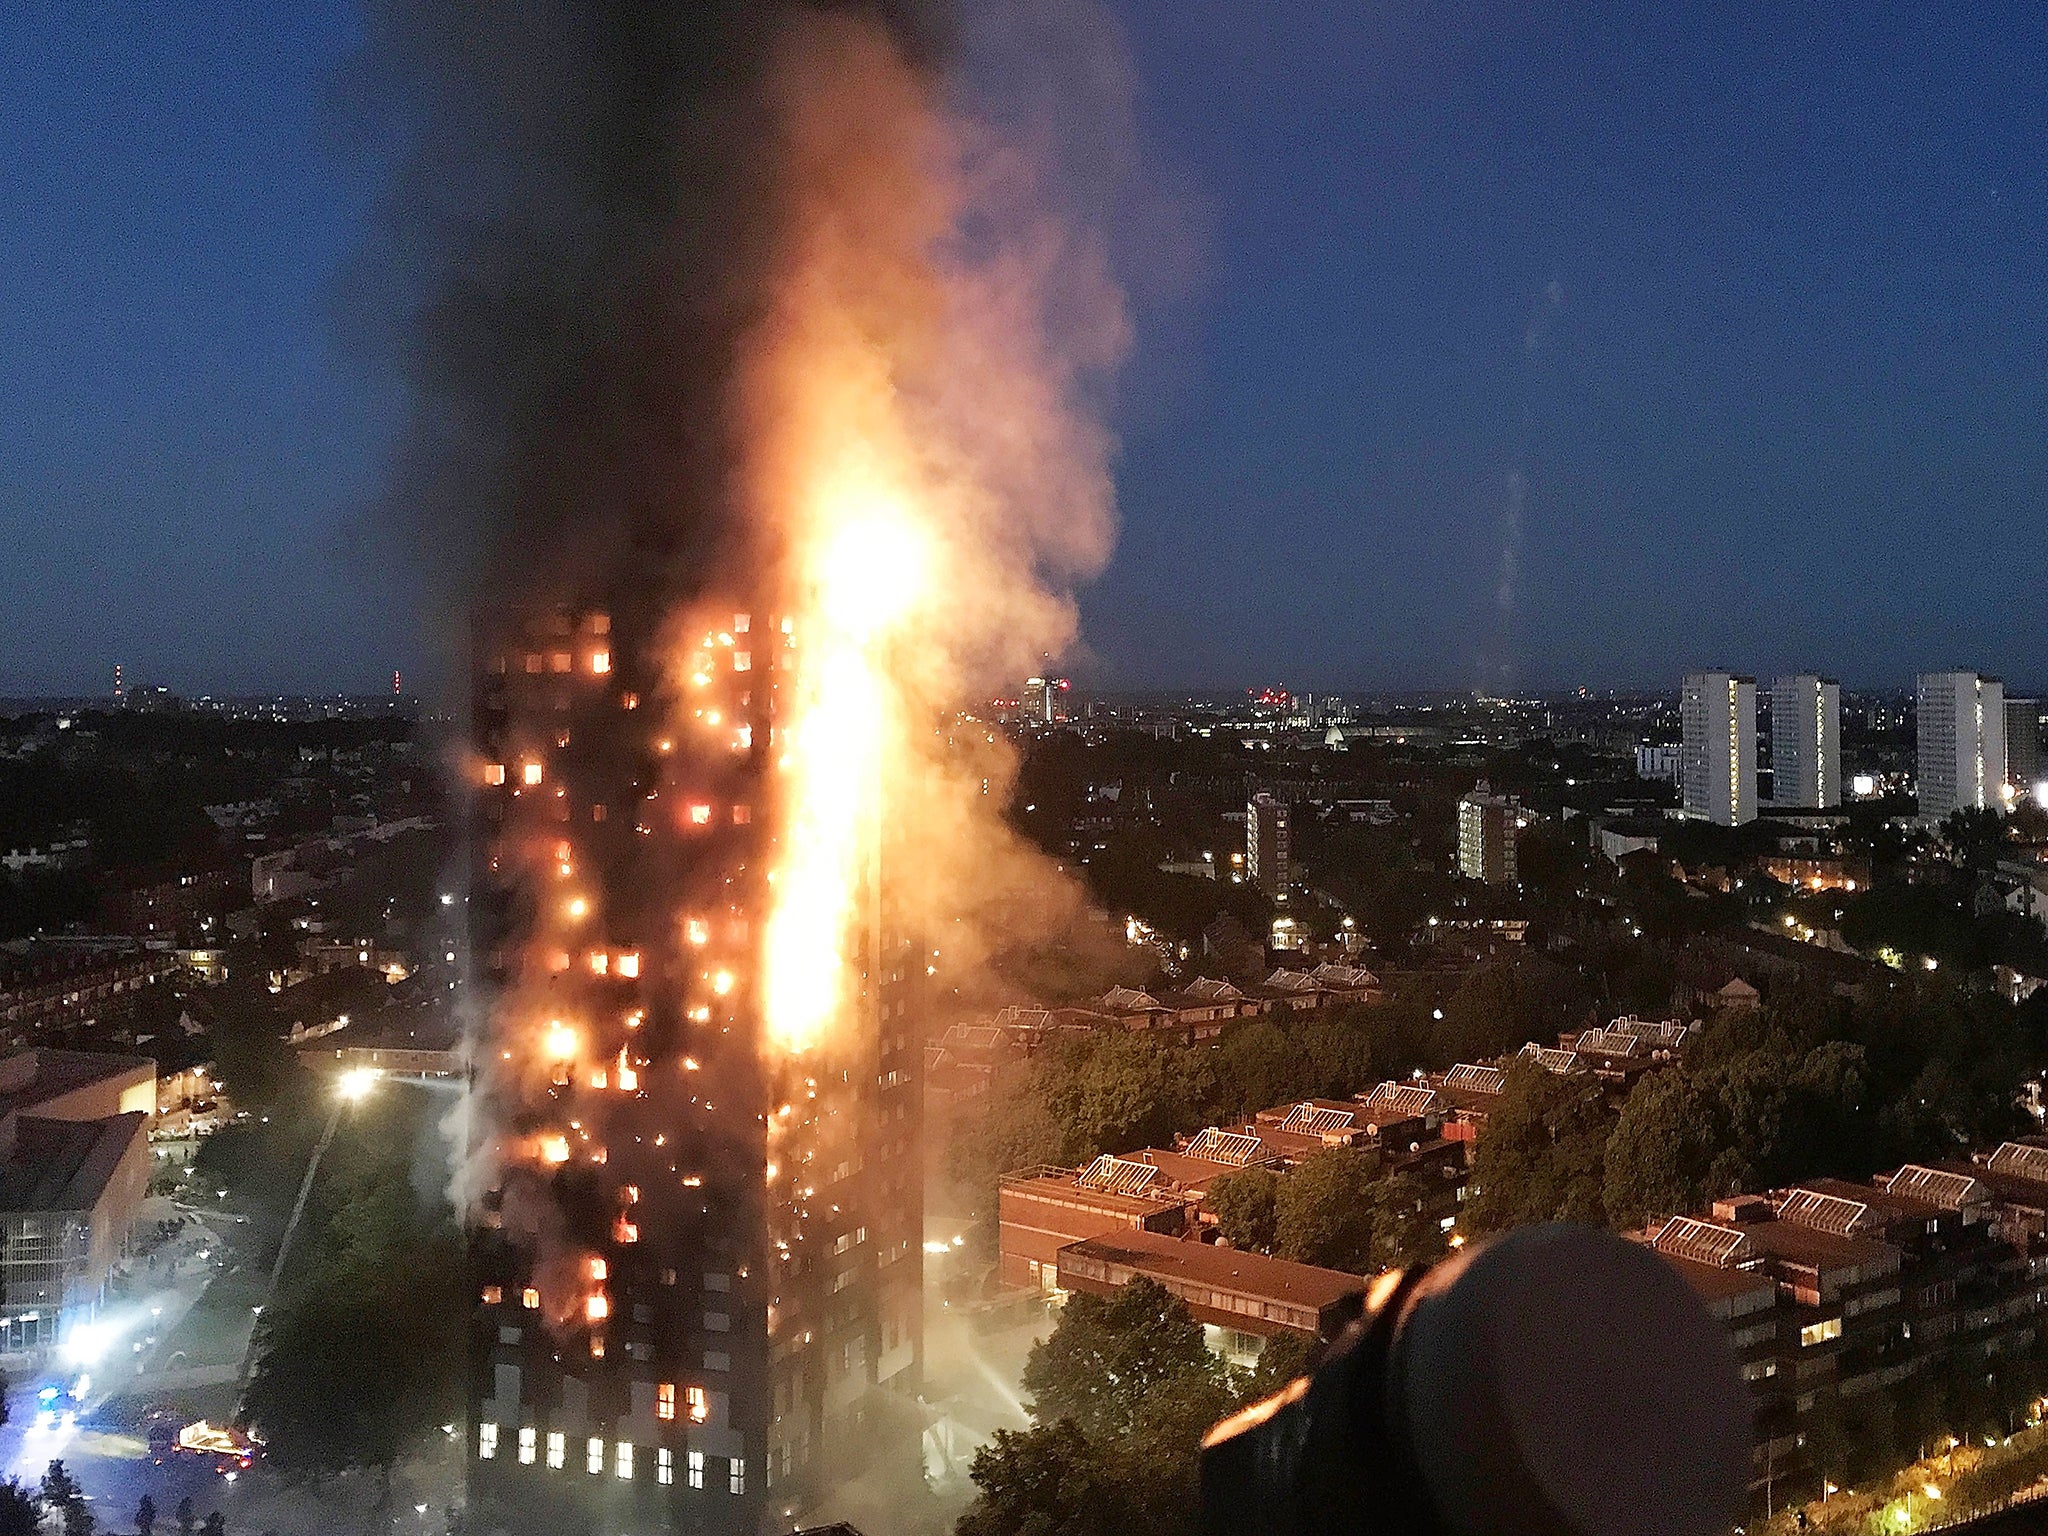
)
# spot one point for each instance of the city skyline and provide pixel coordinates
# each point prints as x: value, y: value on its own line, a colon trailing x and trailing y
x: 1535, y: 422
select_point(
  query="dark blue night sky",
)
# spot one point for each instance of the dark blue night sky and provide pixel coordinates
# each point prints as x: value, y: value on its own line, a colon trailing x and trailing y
x: 1751, y: 309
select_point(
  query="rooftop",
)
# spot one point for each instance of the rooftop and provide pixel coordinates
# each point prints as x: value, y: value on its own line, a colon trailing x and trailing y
x: 64, y: 1165
x: 33, y: 1077
x: 1171, y: 1259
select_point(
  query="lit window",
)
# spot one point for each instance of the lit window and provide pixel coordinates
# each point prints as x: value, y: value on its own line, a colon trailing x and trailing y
x: 742, y: 661
x: 558, y: 1449
x: 598, y: 1269
x: 740, y: 622
x: 533, y: 662
x: 494, y: 773
x: 597, y: 1308
x: 700, y: 815
x: 695, y: 1467
x: 493, y: 1294
x: 561, y: 661
x: 736, y: 1475
x: 600, y: 962
x: 665, y: 1400
x: 530, y: 773
x: 741, y: 815
x: 623, y: 1463
x: 595, y: 1457
x: 530, y: 1299
x: 700, y: 1406
x: 486, y: 1441
x: 1820, y: 1332
x: 601, y: 661
x: 629, y: 965
x: 529, y: 1443
x: 664, y: 1466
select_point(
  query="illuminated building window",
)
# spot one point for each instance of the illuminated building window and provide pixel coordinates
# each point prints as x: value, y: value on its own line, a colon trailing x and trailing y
x: 530, y: 1298
x: 531, y: 773
x: 741, y: 815
x: 695, y: 1466
x: 533, y: 661
x: 742, y: 661
x: 665, y: 1400
x: 700, y: 1405
x: 598, y: 1269
x: 629, y: 700
x: 1820, y: 1332
x: 664, y: 1466
x: 594, y: 1457
x: 561, y: 661
x: 494, y: 773
x: 700, y: 815
x: 623, y: 1462
x: 598, y: 813
x: 741, y: 623
x: 493, y: 1294
x: 601, y: 662
x: 596, y: 1309
x: 486, y: 1441
x: 597, y: 1347
x: 736, y: 1475
x: 529, y: 1444
x: 558, y: 1449
x: 629, y: 965
x: 600, y: 962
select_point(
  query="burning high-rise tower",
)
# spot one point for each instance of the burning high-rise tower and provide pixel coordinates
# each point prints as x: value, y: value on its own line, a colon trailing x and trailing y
x: 752, y: 401
x: 700, y: 1264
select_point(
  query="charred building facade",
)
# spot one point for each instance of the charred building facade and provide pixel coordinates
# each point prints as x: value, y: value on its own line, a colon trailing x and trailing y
x: 697, y: 1253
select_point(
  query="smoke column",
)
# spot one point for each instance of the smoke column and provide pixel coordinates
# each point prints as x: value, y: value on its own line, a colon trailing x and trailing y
x: 1535, y: 335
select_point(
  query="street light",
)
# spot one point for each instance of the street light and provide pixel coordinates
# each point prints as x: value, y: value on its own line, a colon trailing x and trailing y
x: 355, y: 1084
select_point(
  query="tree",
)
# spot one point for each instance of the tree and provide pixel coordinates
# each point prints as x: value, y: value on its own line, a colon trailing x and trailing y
x: 1125, y: 1090
x: 1662, y: 1156
x: 1286, y: 1355
x: 1541, y: 1154
x: 360, y: 1356
x: 188, y: 1518
x: 1245, y: 1206
x: 1110, y: 1357
x: 62, y: 1494
x: 21, y: 1512
x: 145, y: 1517
x: 215, y: 1524
x: 1049, y: 1481
x: 1122, y: 1392
x: 1323, y: 1210
x: 1403, y: 1230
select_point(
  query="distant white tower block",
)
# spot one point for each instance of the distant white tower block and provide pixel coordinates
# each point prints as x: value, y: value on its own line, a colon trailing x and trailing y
x: 1961, y: 721
x: 1717, y: 767
x: 1806, y: 742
